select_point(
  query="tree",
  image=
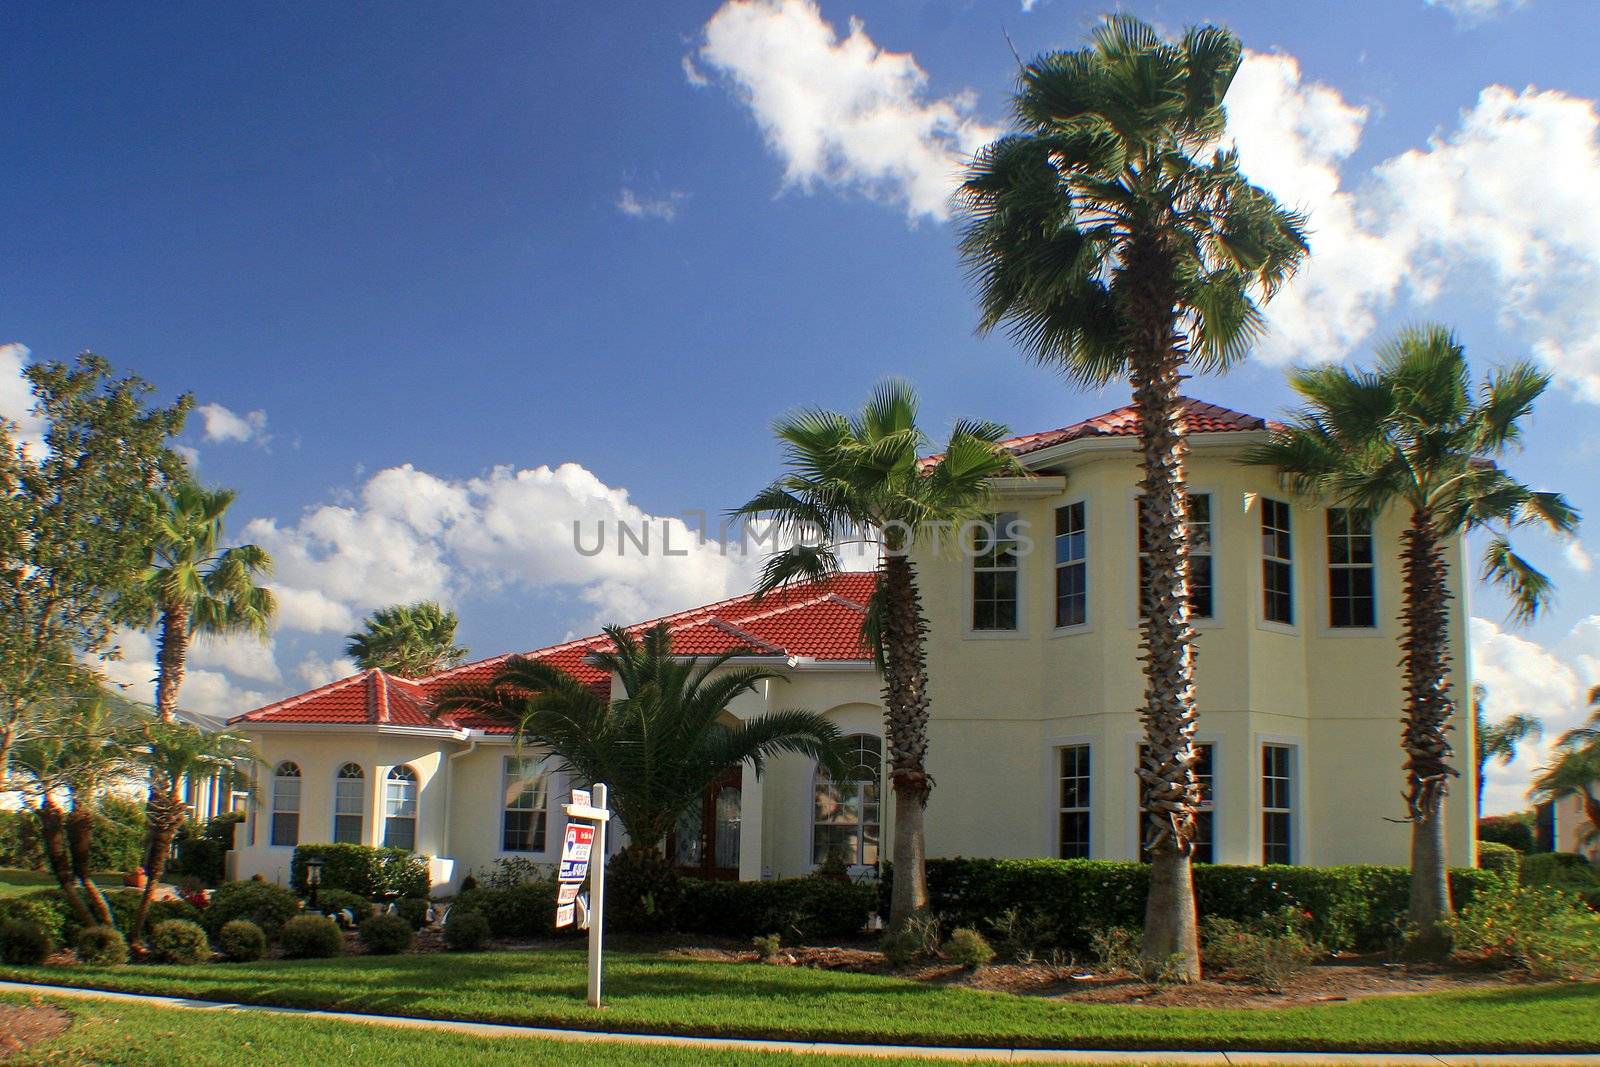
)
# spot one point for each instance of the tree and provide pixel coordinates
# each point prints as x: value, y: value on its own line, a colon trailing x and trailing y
x: 1576, y: 769
x: 660, y: 745
x: 1414, y: 433
x: 191, y: 586
x: 1112, y: 239
x: 411, y: 640
x: 1498, y: 741
x: 860, y: 478
x: 75, y: 518
x: 171, y: 754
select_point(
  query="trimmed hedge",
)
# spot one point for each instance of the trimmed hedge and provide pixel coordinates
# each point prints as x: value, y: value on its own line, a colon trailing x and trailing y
x: 203, y: 848
x: 310, y: 937
x: 1493, y: 856
x: 800, y: 910
x: 268, y: 906
x: 515, y: 913
x: 45, y: 907
x: 1068, y: 901
x: 363, y: 870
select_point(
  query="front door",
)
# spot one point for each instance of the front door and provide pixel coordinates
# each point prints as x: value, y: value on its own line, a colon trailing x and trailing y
x: 706, y: 841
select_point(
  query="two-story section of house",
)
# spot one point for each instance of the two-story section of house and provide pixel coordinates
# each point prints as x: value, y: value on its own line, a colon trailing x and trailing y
x: 1035, y: 680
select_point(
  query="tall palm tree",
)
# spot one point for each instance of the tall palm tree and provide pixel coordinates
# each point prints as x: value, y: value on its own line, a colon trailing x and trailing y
x: 1112, y: 239
x: 860, y: 478
x: 411, y: 640
x: 1575, y: 772
x: 1414, y: 433
x: 660, y: 745
x: 1498, y: 742
x: 192, y: 586
x: 172, y: 753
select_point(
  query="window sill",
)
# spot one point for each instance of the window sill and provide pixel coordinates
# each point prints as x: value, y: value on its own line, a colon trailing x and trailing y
x: 994, y: 635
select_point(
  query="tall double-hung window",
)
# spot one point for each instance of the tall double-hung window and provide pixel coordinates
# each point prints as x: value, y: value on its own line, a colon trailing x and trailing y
x: 1352, y: 571
x: 1197, y: 520
x: 994, y: 572
x: 1205, y: 820
x: 1277, y: 563
x: 1072, y: 565
x: 349, y: 804
x: 286, y: 805
x: 400, y: 809
x: 527, y: 800
x: 1277, y: 803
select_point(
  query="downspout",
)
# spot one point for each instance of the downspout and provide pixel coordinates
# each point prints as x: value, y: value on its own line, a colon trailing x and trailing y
x: 450, y: 783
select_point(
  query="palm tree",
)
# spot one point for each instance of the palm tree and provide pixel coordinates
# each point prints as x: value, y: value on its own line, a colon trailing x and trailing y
x: 1576, y: 770
x: 192, y: 587
x: 659, y: 746
x: 1412, y: 433
x: 1112, y: 239
x: 411, y: 640
x: 171, y: 754
x: 861, y: 478
x: 1497, y: 742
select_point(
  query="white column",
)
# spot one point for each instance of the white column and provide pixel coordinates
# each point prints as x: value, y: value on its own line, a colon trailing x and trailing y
x: 750, y: 820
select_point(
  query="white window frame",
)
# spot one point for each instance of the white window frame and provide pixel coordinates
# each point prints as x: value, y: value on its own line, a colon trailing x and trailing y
x: 279, y: 795
x: 1293, y: 748
x: 1327, y: 625
x: 997, y: 524
x: 400, y: 775
x: 1264, y: 559
x: 1086, y: 809
x: 1199, y: 622
x: 820, y: 778
x: 1208, y: 804
x: 360, y: 814
x: 541, y: 765
x: 1057, y: 566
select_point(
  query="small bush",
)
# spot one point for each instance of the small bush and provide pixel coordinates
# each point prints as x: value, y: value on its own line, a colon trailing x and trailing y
x: 102, y: 946
x: 332, y: 901
x: 24, y: 943
x: 179, y: 941
x: 915, y: 939
x: 310, y: 937
x: 508, y: 872
x: 1502, y: 859
x: 242, y: 941
x: 766, y: 946
x: 268, y: 906
x: 413, y: 910
x: 520, y: 912
x: 169, y: 908
x: 1540, y: 929
x: 385, y: 935
x: 1117, y: 950
x: 968, y: 948
x: 643, y: 891
x: 465, y: 931
x: 1515, y: 831
x: 363, y: 870
x: 1270, y: 952
x: 1023, y: 936
x: 45, y: 907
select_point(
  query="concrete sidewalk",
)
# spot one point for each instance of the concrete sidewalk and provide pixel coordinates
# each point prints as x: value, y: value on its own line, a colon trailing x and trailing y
x: 971, y: 1055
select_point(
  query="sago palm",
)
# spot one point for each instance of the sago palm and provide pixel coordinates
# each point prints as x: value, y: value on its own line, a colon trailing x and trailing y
x: 662, y: 743
x: 1500, y: 740
x: 1414, y: 433
x: 860, y: 480
x: 170, y: 754
x: 1112, y: 238
x: 1575, y: 770
x: 411, y: 640
x: 193, y: 586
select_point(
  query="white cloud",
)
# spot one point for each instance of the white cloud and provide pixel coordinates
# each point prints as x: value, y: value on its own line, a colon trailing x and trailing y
x: 16, y: 397
x: 209, y: 692
x: 311, y: 611
x: 222, y: 424
x: 239, y: 654
x: 842, y: 112
x: 1578, y: 559
x: 1498, y: 210
x: 315, y: 671
x: 1474, y: 11
x: 1525, y: 677
x: 692, y: 73
x: 650, y: 207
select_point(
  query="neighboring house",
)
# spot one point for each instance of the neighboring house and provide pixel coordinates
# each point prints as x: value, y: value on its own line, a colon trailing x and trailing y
x: 1573, y: 831
x: 1034, y: 735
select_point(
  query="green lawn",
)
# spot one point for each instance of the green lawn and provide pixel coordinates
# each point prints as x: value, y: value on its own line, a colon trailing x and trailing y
x: 14, y: 883
x: 648, y: 993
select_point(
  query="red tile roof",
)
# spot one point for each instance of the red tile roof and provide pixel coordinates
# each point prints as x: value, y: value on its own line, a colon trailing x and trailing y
x: 815, y: 620
x: 1198, y: 417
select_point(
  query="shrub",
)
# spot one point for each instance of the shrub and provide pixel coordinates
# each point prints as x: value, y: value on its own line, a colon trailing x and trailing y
x: 1502, y: 859
x: 519, y: 913
x: 179, y: 941
x: 1514, y: 831
x: 103, y: 946
x: 242, y: 941
x: 118, y: 841
x: 310, y: 937
x: 801, y: 910
x: 168, y: 908
x: 19, y: 841
x: 1021, y: 936
x: 508, y: 872
x: 1540, y: 929
x: 766, y: 946
x: 915, y: 939
x: 332, y: 901
x: 24, y: 943
x: 413, y: 910
x: 45, y: 907
x: 1269, y: 952
x: 203, y: 848
x: 386, y: 935
x: 968, y: 948
x: 268, y: 906
x: 1565, y: 871
x: 643, y: 891
x: 363, y: 870
x: 465, y: 931
x: 1117, y: 950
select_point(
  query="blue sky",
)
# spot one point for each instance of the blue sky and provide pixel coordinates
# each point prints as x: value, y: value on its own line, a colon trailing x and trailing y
x: 446, y: 278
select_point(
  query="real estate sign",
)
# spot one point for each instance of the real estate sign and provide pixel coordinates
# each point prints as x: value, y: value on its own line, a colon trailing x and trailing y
x: 576, y: 848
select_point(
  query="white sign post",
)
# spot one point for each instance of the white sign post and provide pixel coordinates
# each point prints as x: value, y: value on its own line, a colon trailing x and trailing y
x: 583, y: 852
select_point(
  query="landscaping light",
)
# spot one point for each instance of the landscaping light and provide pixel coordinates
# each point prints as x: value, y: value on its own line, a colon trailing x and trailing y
x: 313, y: 879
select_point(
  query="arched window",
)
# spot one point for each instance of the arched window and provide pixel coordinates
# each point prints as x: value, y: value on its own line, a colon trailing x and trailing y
x: 349, y: 804
x: 400, y: 809
x: 286, y: 805
x: 844, y: 814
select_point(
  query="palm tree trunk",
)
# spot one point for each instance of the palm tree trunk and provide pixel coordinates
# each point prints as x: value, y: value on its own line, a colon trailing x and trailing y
x: 905, y: 703
x: 80, y: 833
x: 1169, y: 790
x: 52, y: 832
x: 166, y: 815
x: 1425, y: 661
x: 171, y: 653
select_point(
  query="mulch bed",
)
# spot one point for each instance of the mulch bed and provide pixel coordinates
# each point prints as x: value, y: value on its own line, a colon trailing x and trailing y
x: 1340, y: 978
x: 23, y: 1024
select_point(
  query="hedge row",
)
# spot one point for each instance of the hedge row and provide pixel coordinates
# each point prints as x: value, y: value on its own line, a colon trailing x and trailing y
x: 363, y: 870
x: 1063, y: 903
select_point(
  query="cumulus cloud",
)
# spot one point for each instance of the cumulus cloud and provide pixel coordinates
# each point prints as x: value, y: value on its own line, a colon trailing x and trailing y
x: 664, y: 207
x: 1470, y: 12
x: 840, y: 111
x: 1577, y: 558
x: 224, y: 425
x: 207, y: 689
x: 314, y: 671
x: 1526, y: 677
x: 16, y: 397
x: 1498, y: 209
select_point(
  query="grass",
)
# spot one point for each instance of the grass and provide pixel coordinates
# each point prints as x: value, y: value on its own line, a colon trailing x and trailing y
x: 647, y: 993
x: 14, y: 883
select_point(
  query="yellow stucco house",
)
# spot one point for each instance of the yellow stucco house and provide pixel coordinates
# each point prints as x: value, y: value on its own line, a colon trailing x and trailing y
x: 1034, y: 679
